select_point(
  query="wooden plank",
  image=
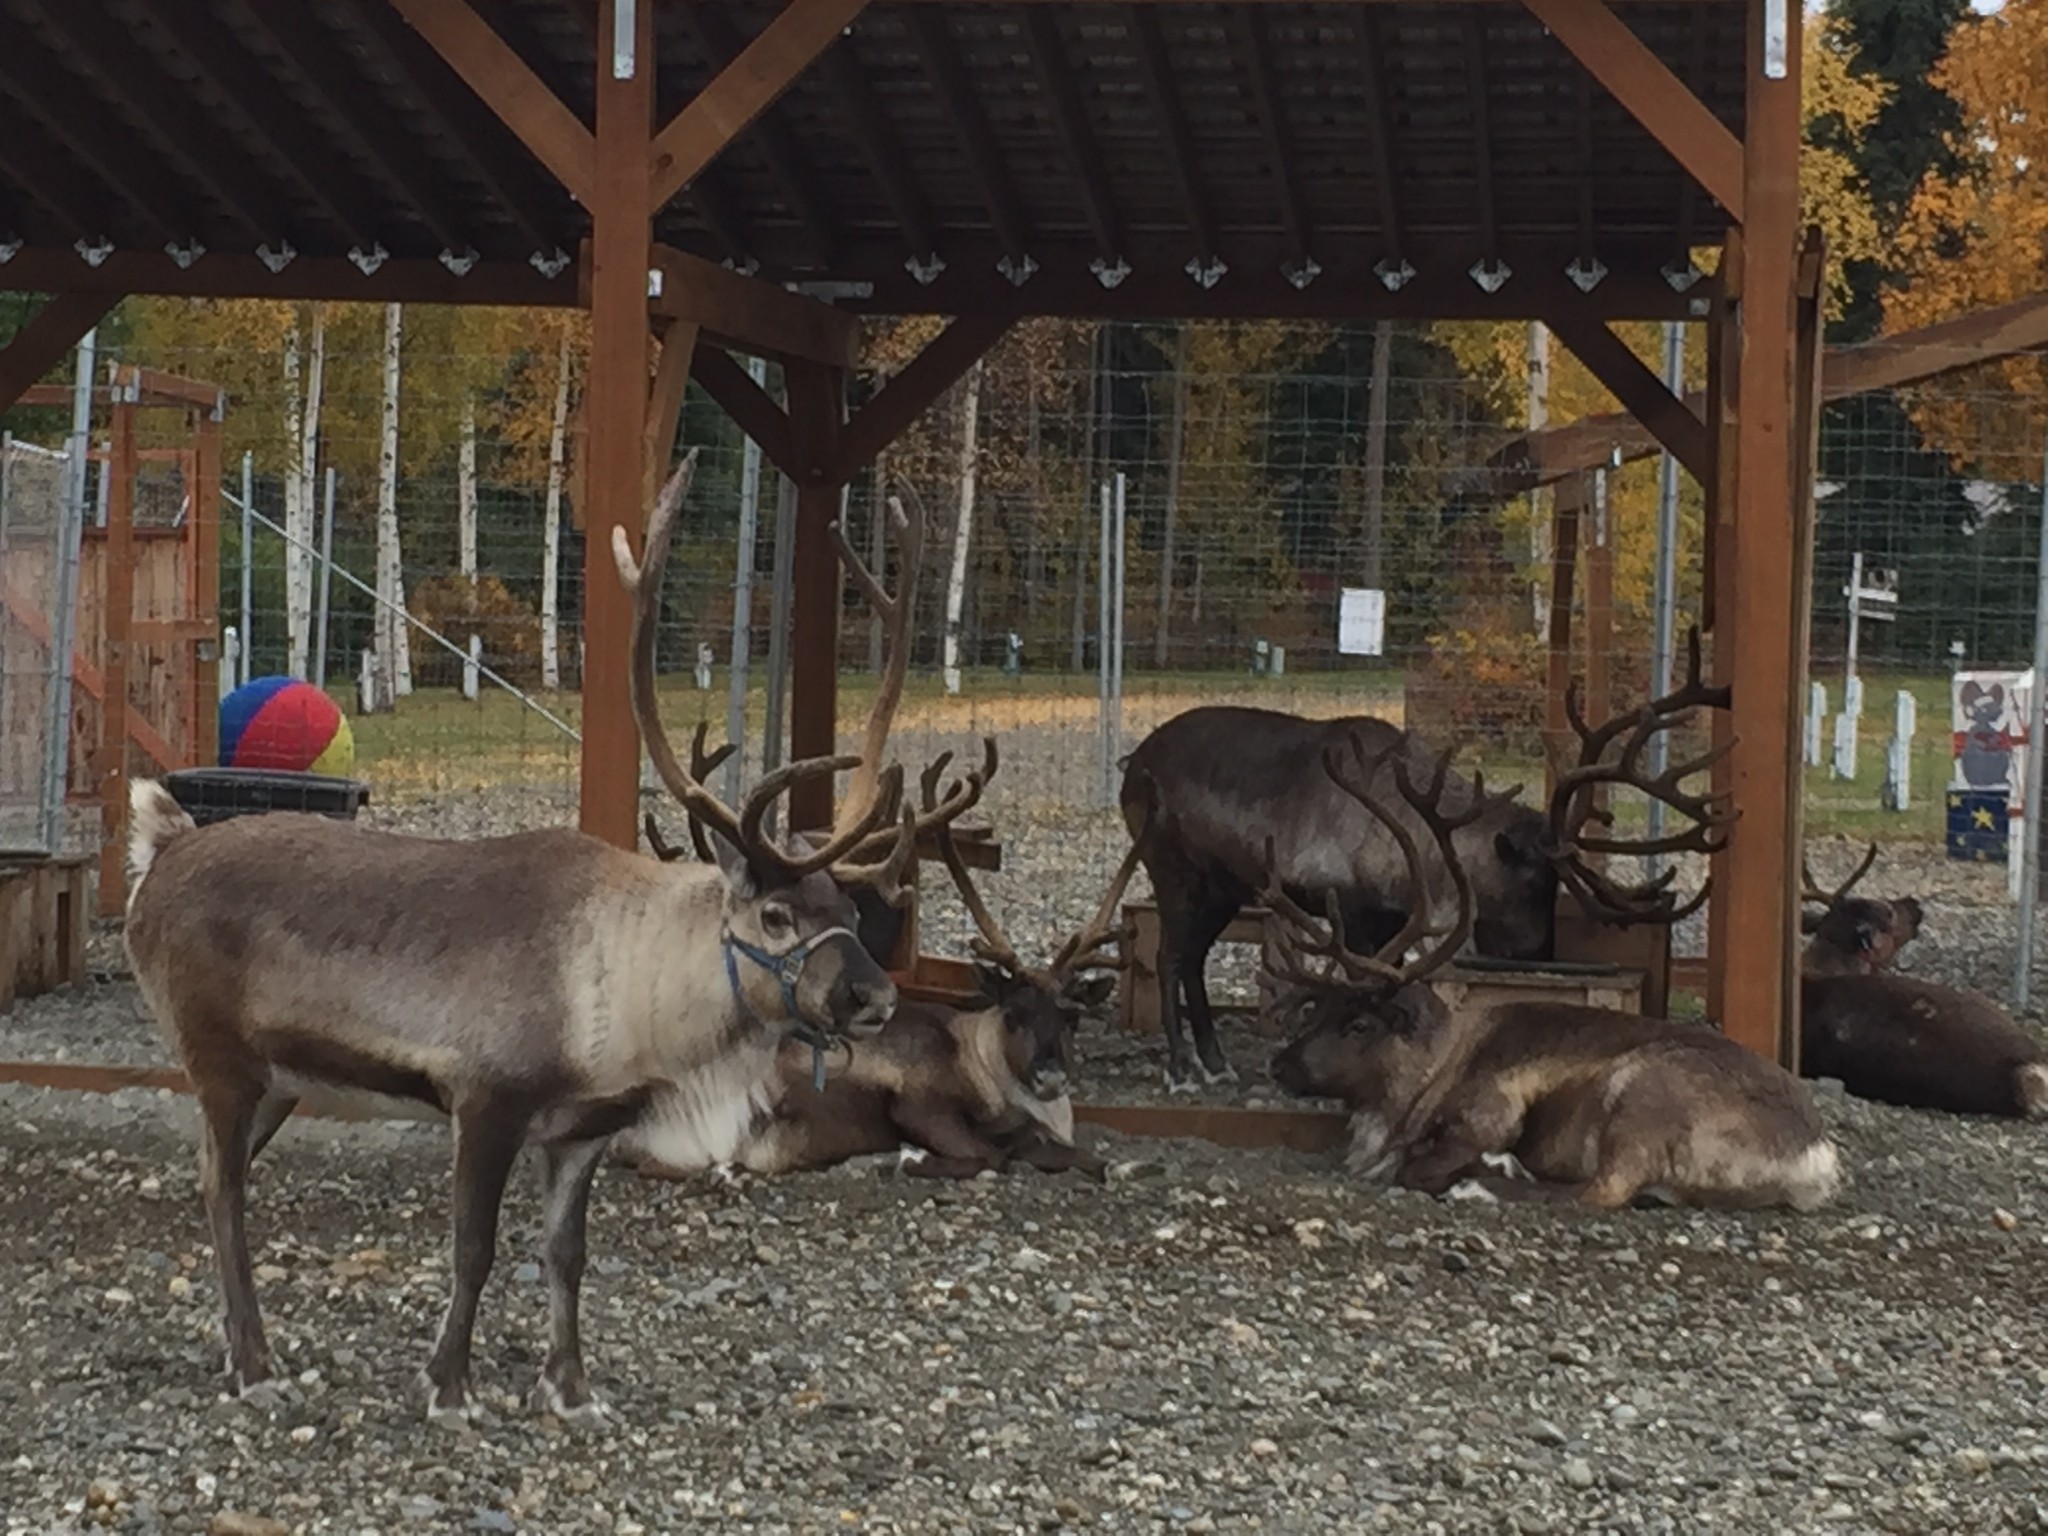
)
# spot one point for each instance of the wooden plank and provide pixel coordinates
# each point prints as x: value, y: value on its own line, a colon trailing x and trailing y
x: 750, y: 315
x: 110, y: 775
x: 502, y: 81
x: 1724, y: 347
x: 232, y: 275
x: 1675, y: 424
x: 1294, y: 1130
x: 815, y: 411
x: 1645, y: 85
x: 740, y: 93
x: 665, y: 406
x: 45, y: 341
x: 616, y: 391
x: 750, y: 406
x: 910, y: 393
x: 88, y: 677
x: 1762, y: 869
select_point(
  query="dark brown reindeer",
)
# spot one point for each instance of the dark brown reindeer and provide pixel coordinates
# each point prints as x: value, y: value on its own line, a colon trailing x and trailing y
x: 959, y: 1089
x: 1233, y: 782
x: 1898, y: 1039
x: 1603, y: 1106
x: 543, y: 987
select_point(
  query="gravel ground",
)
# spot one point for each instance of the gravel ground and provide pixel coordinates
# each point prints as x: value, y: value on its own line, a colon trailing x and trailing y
x: 1212, y: 1341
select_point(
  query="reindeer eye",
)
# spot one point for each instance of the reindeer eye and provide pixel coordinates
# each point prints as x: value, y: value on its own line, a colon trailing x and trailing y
x: 776, y: 922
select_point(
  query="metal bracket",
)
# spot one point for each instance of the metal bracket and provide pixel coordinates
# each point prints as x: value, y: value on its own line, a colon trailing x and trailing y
x: 184, y: 255
x: 1207, y: 271
x: 1110, y: 274
x: 369, y: 261
x: 1302, y: 272
x: 94, y: 251
x: 9, y: 249
x: 1681, y: 276
x: 278, y: 259
x: 1393, y: 275
x: 926, y: 268
x: 1018, y: 272
x: 549, y: 263
x: 1586, y: 272
x: 1490, y: 275
x: 459, y: 265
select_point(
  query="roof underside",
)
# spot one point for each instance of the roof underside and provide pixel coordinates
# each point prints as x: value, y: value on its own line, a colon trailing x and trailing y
x: 1260, y: 134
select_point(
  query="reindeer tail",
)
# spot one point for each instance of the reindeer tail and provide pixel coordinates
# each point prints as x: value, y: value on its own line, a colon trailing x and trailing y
x: 154, y: 818
x: 2032, y: 1082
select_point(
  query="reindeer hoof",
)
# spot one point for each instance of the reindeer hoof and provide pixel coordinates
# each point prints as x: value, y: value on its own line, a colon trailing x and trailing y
x: 446, y: 1410
x: 589, y: 1411
x: 1507, y: 1165
x: 1216, y: 1076
x: 908, y: 1158
x: 1180, y: 1085
x: 266, y: 1396
x: 725, y: 1175
x: 1471, y: 1189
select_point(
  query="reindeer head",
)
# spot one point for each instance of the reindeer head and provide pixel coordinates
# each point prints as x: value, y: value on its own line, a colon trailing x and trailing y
x: 1371, y: 1031
x: 791, y: 956
x: 1575, y: 804
x: 1853, y: 935
x: 1040, y: 1007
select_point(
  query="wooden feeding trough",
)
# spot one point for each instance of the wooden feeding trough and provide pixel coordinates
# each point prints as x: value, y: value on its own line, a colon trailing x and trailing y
x: 45, y: 906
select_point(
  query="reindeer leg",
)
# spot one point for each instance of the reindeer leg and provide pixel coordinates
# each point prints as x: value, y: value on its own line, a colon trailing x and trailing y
x: 488, y: 1134
x: 954, y: 1149
x: 271, y: 1115
x: 1210, y: 919
x: 567, y: 1171
x: 1049, y: 1156
x: 229, y: 1110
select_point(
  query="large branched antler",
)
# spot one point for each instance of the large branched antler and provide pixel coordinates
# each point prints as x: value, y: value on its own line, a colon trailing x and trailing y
x: 1574, y: 802
x: 1314, y: 951
x: 1815, y: 892
x: 906, y: 532
x: 741, y: 830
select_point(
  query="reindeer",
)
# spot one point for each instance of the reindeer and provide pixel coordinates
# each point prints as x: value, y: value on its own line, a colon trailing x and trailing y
x: 1233, y: 782
x: 1898, y: 1039
x: 1598, y: 1104
x: 543, y: 987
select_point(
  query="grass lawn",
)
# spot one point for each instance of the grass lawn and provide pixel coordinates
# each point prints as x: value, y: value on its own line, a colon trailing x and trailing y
x: 437, y: 740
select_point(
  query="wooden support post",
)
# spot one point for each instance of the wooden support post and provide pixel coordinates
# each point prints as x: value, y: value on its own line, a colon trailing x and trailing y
x: 1724, y: 346
x: 1564, y: 555
x: 205, y: 494
x: 110, y: 769
x: 617, y: 397
x: 665, y: 404
x: 816, y: 410
x: 1762, y: 939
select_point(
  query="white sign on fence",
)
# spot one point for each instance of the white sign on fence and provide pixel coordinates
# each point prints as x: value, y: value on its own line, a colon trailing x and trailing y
x: 1362, y: 622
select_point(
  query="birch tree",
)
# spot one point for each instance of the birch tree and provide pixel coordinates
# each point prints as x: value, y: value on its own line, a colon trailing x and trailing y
x: 393, y: 663
x: 551, y: 525
x: 302, y: 432
x: 963, y: 528
x: 465, y: 492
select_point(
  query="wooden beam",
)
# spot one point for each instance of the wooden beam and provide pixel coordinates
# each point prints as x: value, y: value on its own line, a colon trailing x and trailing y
x: 29, y: 615
x: 936, y: 369
x: 742, y: 91
x: 1717, y: 603
x: 1379, y: 127
x: 977, y: 139
x: 110, y: 765
x: 1476, y: 94
x: 888, y: 162
x: 47, y: 339
x: 751, y: 314
x: 501, y: 79
x: 750, y: 406
x: 1652, y: 94
x: 1608, y: 358
x: 1762, y: 869
x: 1267, y: 100
x: 616, y: 396
x: 227, y: 275
x: 39, y: 85
x: 816, y: 407
x: 1157, y: 71
x: 1564, y: 556
x: 665, y: 405
x: 1048, y: 50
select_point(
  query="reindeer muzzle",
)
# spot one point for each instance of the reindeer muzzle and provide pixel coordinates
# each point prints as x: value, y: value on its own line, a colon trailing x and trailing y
x: 787, y: 967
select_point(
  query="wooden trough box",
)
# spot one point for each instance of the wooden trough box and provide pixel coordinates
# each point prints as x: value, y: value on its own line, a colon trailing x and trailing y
x: 45, y: 905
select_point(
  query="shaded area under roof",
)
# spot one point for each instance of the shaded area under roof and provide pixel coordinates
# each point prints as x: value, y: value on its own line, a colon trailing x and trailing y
x: 1041, y: 137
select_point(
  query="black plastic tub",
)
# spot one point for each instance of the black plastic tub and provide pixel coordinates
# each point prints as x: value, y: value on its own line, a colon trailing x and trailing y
x: 216, y: 794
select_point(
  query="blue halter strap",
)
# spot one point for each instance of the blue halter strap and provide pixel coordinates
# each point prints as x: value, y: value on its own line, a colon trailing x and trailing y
x: 787, y: 968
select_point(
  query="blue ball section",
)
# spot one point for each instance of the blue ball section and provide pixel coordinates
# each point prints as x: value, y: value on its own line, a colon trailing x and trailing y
x: 240, y: 707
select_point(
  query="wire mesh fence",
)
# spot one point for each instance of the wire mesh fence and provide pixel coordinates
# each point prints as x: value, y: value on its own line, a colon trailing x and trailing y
x: 1299, y: 517
x: 36, y: 543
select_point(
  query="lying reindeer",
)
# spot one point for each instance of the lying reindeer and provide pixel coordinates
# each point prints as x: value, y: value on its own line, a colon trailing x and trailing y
x: 543, y: 987
x: 1239, y: 794
x: 1604, y: 1105
x: 962, y: 1090
x: 1898, y: 1039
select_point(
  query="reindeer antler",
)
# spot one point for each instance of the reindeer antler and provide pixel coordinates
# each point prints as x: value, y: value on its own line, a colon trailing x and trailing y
x: 1815, y: 892
x: 907, y: 533
x: 642, y: 581
x: 1304, y: 939
x: 1088, y: 950
x: 1574, y: 804
x: 702, y: 765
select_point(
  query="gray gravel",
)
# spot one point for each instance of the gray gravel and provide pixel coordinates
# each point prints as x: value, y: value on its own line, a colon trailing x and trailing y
x: 1213, y: 1341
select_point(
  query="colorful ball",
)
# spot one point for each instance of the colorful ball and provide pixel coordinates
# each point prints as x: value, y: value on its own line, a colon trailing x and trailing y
x: 283, y: 723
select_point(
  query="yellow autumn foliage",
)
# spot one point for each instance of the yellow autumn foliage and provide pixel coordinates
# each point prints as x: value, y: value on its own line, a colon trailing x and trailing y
x: 1981, y: 238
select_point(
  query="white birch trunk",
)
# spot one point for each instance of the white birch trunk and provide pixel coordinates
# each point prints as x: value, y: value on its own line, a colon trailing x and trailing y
x: 298, y: 519
x: 1539, y: 500
x: 465, y: 492
x: 390, y: 628
x: 309, y: 454
x: 551, y: 528
x: 963, y: 529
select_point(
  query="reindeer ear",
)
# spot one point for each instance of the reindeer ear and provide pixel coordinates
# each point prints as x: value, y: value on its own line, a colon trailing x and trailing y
x: 1408, y: 1010
x: 1511, y: 852
x: 1868, y: 931
x: 739, y: 874
x: 994, y: 981
x: 1093, y: 991
x: 1809, y: 922
x: 1908, y: 908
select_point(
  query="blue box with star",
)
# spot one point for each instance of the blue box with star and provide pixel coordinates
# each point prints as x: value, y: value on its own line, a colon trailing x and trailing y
x: 1977, y: 825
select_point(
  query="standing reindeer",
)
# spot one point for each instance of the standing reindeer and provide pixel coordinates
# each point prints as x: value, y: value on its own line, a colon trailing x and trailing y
x: 543, y: 987
x: 1898, y: 1039
x: 1233, y: 785
x: 1605, y: 1105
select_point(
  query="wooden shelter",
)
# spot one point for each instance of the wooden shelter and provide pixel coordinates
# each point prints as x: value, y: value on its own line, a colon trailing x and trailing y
x: 679, y: 165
